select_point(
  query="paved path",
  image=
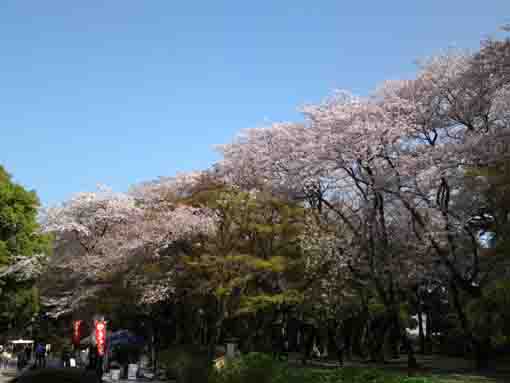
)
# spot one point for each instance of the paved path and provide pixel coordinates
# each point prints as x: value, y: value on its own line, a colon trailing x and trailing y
x: 9, y: 373
x: 57, y: 375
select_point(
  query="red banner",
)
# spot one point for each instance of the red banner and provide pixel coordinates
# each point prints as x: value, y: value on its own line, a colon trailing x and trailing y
x: 100, y: 336
x: 77, y: 332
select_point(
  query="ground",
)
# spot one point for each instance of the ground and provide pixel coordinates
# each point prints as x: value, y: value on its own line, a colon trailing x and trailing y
x: 59, y: 375
x: 450, y: 370
x: 52, y: 374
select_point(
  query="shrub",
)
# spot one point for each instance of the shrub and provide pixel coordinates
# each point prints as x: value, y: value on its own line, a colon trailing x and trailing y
x: 250, y: 368
x: 261, y: 368
x: 185, y: 363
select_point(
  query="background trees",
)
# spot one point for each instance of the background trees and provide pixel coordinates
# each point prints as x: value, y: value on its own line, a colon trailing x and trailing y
x: 373, y: 210
x: 22, y: 248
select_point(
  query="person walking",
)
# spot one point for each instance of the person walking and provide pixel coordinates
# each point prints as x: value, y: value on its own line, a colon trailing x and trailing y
x: 66, y: 358
x: 92, y: 358
x: 21, y: 359
x: 40, y: 356
x: 2, y: 357
x: 28, y: 354
x: 43, y: 354
x: 5, y: 359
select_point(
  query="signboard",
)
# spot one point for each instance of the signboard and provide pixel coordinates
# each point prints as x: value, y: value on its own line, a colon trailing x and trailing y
x: 77, y: 332
x: 100, y: 327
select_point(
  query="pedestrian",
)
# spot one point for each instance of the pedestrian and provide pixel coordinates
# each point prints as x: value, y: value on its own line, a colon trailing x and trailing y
x: 28, y: 354
x: 66, y: 358
x: 40, y: 356
x: 99, y: 367
x: 21, y: 359
x: 92, y: 358
x: 43, y: 352
x: 6, y: 359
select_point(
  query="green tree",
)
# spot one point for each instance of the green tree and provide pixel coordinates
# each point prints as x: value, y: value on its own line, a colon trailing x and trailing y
x: 21, y: 245
x: 251, y: 267
x: 19, y: 230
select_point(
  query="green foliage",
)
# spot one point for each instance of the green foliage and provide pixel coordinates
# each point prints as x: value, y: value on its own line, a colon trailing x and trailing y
x: 19, y: 237
x: 492, y: 184
x: 19, y: 306
x: 252, y: 262
x: 19, y: 234
x: 490, y: 315
x: 251, y: 368
x: 377, y: 308
x: 119, y: 303
x: 261, y: 368
x: 186, y: 363
x: 261, y: 302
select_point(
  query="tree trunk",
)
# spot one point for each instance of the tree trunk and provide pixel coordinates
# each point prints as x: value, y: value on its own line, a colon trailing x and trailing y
x: 377, y: 340
x: 482, y: 350
x: 428, y: 333
x: 421, y: 332
x: 411, y: 358
x: 395, y: 342
x: 362, y: 343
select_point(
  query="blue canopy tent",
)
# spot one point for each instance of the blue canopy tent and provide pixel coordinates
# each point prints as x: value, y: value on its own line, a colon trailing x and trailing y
x: 116, y: 338
x: 124, y: 337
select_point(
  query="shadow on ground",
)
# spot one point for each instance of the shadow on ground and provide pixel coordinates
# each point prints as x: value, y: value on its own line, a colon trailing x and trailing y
x: 448, y: 369
x: 58, y: 375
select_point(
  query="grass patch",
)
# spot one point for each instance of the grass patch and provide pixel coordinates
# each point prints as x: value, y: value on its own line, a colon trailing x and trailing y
x: 261, y: 368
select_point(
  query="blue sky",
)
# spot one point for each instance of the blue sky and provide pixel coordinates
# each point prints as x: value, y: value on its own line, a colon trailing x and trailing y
x: 123, y: 91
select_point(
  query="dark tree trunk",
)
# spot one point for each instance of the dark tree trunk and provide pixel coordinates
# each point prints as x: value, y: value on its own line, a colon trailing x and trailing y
x: 395, y: 342
x: 411, y: 358
x: 421, y: 332
x: 377, y: 340
x: 348, y: 337
x: 482, y: 350
x: 428, y: 333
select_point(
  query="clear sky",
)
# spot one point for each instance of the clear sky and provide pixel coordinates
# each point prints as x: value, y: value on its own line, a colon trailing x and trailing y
x: 123, y: 91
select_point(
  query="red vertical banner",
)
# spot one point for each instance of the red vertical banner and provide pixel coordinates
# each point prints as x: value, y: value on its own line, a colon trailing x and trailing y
x: 76, y: 332
x: 100, y: 336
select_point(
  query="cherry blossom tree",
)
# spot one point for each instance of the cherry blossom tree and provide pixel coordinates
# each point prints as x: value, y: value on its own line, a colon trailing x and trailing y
x: 114, y: 230
x: 396, y: 188
x: 100, y: 222
x: 393, y: 161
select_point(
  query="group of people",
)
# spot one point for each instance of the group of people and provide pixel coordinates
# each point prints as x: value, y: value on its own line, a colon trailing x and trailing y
x: 66, y: 357
x: 5, y: 357
x: 285, y: 339
x: 95, y: 361
x: 23, y: 357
